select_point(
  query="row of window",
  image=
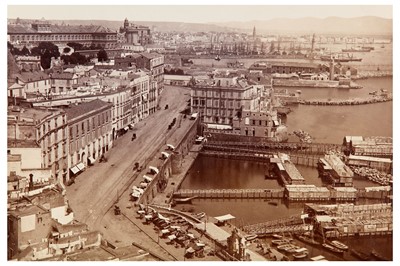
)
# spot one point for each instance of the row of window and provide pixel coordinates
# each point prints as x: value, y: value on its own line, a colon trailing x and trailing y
x: 49, y: 37
x: 209, y: 93
x: 85, y: 126
x: 216, y: 103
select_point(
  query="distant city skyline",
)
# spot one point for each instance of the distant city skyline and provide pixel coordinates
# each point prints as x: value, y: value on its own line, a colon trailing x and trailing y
x: 194, y: 13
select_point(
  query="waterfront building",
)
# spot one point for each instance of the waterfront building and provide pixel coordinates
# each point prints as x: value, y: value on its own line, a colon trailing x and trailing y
x: 237, y: 246
x: 135, y: 34
x: 293, y: 67
x: 287, y: 171
x: 341, y: 220
x: 368, y: 146
x: 381, y: 164
x: 90, y: 133
x: 39, y: 135
x: 60, y: 35
x: 337, y: 173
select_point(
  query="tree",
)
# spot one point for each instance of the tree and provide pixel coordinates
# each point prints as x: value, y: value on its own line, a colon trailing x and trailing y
x: 66, y: 50
x: 76, y: 46
x: 272, y: 47
x: 46, y: 50
x: 102, y: 55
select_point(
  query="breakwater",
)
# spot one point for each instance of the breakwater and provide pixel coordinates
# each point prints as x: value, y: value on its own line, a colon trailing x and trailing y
x: 356, y: 101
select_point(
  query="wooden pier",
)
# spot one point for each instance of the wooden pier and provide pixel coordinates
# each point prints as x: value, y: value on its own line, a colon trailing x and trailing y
x: 270, y: 147
x: 231, y: 193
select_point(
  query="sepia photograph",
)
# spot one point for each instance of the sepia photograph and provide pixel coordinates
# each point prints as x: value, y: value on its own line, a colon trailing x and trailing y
x: 199, y: 131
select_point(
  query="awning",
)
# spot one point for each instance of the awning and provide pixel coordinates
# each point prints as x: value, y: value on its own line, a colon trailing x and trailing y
x: 171, y: 237
x: 91, y: 160
x: 75, y: 170
x: 224, y: 218
x: 155, y: 169
x: 191, y: 236
x: 148, y: 217
x: 165, y: 154
x: 190, y: 250
x: 141, y: 212
x: 165, y: 231
x: 126, y: 128
x: 80, y: 166
x: 170, y: 147
x: 276, y: 123
x: 147, y: 179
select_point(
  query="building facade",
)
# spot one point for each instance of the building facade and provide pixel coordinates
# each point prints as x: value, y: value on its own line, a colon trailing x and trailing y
x: 61, y: 83
x: 60, y: 35
x: 135, y: 34
x: 46, y: 129
x: 90, y: 133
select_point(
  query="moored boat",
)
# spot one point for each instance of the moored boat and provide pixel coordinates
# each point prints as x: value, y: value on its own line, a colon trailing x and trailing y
x: 332, y: 248
x: 280, y: 241
x: 200, y: 215
x: 277, y: 236
x: 250, y: 237
x: 339, y: 245
x: 300, y: 253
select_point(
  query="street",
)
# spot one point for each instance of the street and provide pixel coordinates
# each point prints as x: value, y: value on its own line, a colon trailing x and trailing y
x: 96, y: 189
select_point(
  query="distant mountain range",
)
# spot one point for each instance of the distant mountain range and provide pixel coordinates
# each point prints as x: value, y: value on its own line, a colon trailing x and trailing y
x: 332, y: 25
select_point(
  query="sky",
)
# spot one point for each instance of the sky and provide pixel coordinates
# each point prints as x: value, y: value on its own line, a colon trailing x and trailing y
x: 194, y: 13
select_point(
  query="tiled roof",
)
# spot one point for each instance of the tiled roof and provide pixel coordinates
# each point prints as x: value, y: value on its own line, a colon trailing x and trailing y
x: 27, y: 77
x: 150, y: 55
x: 65, y: 228
x: 65, y: 75
x: 21, y: 29
x: 84, y: 108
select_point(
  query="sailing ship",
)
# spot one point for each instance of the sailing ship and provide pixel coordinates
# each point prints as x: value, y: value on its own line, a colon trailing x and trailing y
x: 332, y: 248
x: 300, y: 253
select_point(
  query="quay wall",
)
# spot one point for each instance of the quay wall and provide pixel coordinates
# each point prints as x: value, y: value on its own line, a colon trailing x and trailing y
x: 360, y: 101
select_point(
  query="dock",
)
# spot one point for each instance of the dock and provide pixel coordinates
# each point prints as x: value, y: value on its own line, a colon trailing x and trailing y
x: 230, y: 193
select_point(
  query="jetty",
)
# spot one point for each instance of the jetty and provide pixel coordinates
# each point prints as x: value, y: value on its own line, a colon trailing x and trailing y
x: 356, y: 101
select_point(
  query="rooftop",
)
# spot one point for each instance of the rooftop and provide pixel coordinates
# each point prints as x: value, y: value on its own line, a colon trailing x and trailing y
x: 85, y: 108
x: 21, y: 29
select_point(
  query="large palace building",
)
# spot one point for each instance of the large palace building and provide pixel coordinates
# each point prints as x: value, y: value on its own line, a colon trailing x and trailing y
x: 43, y: 31
x: 135, y: 34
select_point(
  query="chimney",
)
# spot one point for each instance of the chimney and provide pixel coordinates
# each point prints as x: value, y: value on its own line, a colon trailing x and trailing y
x: 30, y: 182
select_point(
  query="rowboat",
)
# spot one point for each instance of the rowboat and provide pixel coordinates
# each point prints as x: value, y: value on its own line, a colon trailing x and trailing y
x: 277, y: 236
x: 300, y: 253
x: 339, y: 245
x: 250, y: 237
x: 332, y: 248
x: 280, y: 241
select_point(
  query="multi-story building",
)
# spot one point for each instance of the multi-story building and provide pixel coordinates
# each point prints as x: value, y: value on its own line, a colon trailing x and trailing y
x: 135, y: 34
x: 61, y: 83
x: 40, y: 136
x: 140, y: 83
x: 222, y: 100
x: 43, y: 31
x: 155, y: 64
x: 34, y: 84
x: 89, y: 134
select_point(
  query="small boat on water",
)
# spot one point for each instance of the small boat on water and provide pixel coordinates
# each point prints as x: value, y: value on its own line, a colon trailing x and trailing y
x: 359, y: 254
x: 290, y: 248
x: 200, y: 215
x: 332, y: 248
x: 274, y: 203
x: 250, y: 237
x: 217, y: 58
x: 280, y: 241
x: 277, y: 236
x: 339, y: 245
x: 300, y: 253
